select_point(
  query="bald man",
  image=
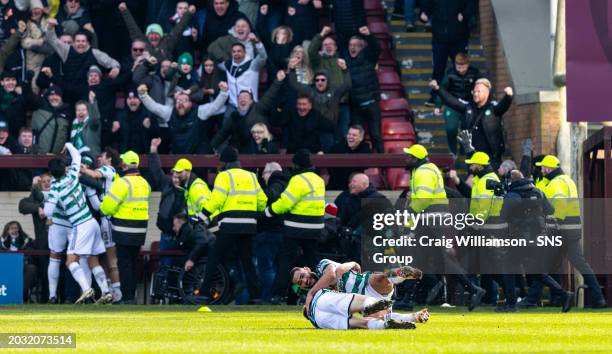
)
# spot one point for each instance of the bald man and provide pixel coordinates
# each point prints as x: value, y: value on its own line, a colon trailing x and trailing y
x: 361, y: 195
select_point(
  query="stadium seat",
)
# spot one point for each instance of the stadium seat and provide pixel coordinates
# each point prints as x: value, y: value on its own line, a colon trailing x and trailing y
x: 386, y: 65
x: 376, y: 178
x: 397, y: 130
x: 389, y: 80
x: 397, y: 144
x: 380, y: 30
x: 373, y: 7
x: 393, y: 175
x: 391, y: 94
x: 402, y: 182
x: 386, y: 52
x: 395, y: 108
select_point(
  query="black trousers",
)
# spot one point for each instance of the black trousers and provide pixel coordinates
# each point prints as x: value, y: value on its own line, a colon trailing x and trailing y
x: 288, y: 258
x: 225, y: 245
x: 126, y: 261
x: 369, y: 115
x: 574, y: 254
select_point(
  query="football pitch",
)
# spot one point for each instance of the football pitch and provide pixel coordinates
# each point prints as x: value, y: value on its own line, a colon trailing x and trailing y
x: 282, y: 329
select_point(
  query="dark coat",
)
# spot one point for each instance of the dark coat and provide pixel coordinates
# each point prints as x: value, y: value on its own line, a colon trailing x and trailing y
x: 485, y: 122
x: 30, y: 205
x: 350, y: 206
x: 239, y: 127
x: 217, y: 26
x: 12, y: 111
x: 363, y: 72
x: 172, y: 200
x: 460, y: 86
x: 338, y: 177
x: 195, y: 240
x: 525, y: 208
x: 133, y: 135
x: 266, y: 147
x: 304, y: 131
x: 348, y: 16
x: 446, y: 28
x: 277, y: 183
x: 305, y: 22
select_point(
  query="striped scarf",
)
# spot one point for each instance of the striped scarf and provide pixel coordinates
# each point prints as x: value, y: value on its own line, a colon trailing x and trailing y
x: 76, y: 134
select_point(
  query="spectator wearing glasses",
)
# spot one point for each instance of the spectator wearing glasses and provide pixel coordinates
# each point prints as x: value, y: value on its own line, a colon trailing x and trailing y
x: 326, y: 95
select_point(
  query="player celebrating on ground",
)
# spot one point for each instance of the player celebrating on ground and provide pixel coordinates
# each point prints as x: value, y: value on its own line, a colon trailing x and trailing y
x: 348, y: 278
x: 333, y: 310
x: 369, y: 293
x: 108, y: 160
x: 85, y: 240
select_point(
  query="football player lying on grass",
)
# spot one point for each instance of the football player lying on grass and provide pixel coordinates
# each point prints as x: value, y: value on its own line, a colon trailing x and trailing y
x: 326, y: 308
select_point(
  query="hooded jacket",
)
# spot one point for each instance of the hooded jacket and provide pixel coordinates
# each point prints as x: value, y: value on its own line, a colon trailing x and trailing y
x: 51, y: 127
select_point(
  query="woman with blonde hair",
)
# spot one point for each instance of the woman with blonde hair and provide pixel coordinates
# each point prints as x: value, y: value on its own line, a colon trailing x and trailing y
x: 303, y: 71
x: 261, y: 141
x: 278, y: 46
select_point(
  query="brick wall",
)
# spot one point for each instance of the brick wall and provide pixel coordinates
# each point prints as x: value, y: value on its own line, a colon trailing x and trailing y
x: 538, y: 121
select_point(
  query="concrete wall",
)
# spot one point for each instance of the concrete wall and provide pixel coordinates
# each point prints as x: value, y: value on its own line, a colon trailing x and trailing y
x: 532, y: 115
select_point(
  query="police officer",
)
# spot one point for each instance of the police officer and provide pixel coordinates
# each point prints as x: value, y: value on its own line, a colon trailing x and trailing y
x: 127, y: 203
x: 235, y: 202
x: 429, y: 196
x: 525, y: 208
x: 562, y: 192
x: 303, y: 204
x: 195, y: 190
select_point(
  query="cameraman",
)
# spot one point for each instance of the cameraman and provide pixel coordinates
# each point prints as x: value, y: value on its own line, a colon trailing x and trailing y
x: 525, y: 209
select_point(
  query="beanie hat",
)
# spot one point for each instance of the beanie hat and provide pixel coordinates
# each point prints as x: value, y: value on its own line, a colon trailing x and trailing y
x: 229, y: 155
x: 70, y: 27
x: 156, y: 28
x: 302, y: 158
x: 185, y: 58
x: 36, y: 4
x: 94, y: 69
x: 54, y: 90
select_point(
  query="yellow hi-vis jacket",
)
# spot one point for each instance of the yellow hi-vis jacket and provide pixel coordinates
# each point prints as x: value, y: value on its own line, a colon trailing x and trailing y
x: 487, y: 204
x: 196, y: 196
x: 303, y: 202
x: 427, y: 189
x: 127, y: 203
x: 237, y: 197
x: 563, y: 195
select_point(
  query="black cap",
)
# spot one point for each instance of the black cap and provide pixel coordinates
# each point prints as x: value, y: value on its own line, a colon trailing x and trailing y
x: 229, y: 155
x: 8, y: 74
x: 54, y: 90
x: 302, y: 158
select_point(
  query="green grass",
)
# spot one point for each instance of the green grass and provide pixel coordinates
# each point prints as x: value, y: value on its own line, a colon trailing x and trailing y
x: 284, y: 330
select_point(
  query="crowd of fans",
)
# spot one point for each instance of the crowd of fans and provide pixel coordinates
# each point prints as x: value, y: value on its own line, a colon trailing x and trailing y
x: 261, y: 76
x: 192, y: 77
